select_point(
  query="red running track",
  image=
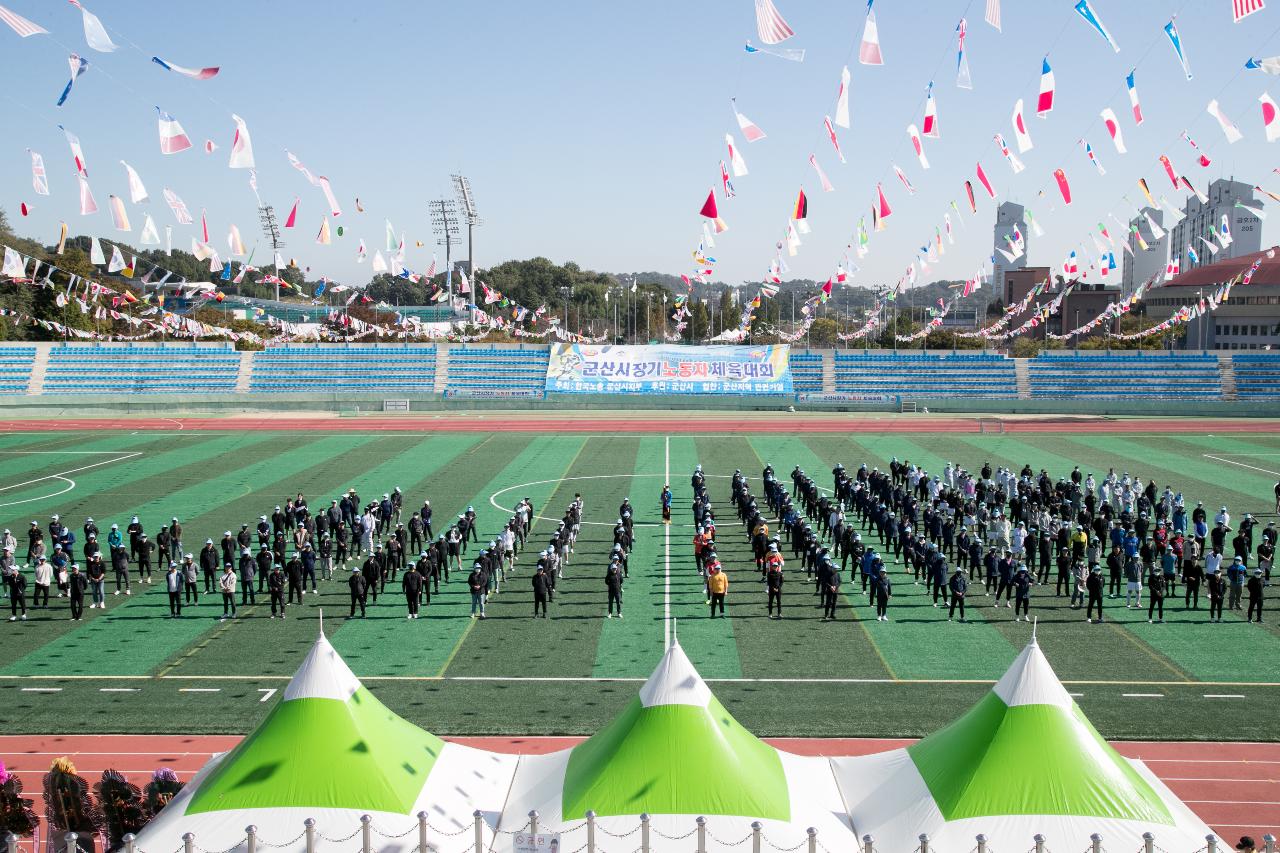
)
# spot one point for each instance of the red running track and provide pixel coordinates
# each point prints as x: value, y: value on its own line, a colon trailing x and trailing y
x: 1233, y: 787
x: 796, y: 423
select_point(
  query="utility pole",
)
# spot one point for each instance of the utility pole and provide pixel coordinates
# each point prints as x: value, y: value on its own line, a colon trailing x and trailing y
x: 271, y: 230
x: 444, y: 224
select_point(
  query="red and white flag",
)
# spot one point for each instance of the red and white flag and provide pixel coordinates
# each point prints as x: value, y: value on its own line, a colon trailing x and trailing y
x: 831, y: 134
x: 21, y: 25
x: 1269, y: 117
x: 930, y: 114
x: 822, y: 176
x: 770, y: 26
x: 993, y: 14
x: 1020, y: 129
x: 1229, y: 128
x: 842, y: 99
x: 986, y: 184
x: 748, y: 127
x: 1133, y: 98
x: 882, y: 203
x: 172, y: 137
x: 1241, y: 9
x: 914, y: 133
x: 735, y: 157
x: 1113, y: 128
x: 902, y: 176
x: 869, y: 51
x: 1063, y: 187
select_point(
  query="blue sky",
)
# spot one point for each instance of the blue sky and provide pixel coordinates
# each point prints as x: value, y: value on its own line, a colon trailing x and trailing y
x: 591, y: 131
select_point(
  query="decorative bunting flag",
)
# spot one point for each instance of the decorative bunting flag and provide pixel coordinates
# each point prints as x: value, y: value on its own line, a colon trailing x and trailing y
x: 87, y: 204
x: 149, y: 237
x: 1200, y: 197
x: 822, y: 176
x: 234, y: 243
x: 1063, y: 187
x: 735, y: 157
x: 137, y: 192
x: 1171, y: 30
x: 770, y: 26
x: 1169, y: 170
x: 914, y: 134
x: 172, y: 137
x: 930, y: 114
x: 39, y: 180
x: 726, y: 184
x: 968, y: 189
x: 82, y: 167
x: 842, y: 99
x: 963, y: 80
x: 1256, y: 211
x: 241, y: 146
x: 292, y: 219
x: 193, y: 73
x: 1113, y: 128
x: 1142, y: 185
x: 117, y: 263
x: 1133, y: 98
x: 831, y: 134
x: 1044, y: 103
x: 1203, y: 159
x: 1093, y: 158
x: 792, y: 54
x: 1020, y: 129
x: 1232, y: 132
x: 95, y: 35
x: 1269, y: 117
x: 21, y: 25
x: 1267, y: 66
x: 78, y: 66
x: 986, y: 184
x: 1157, y: 232
x: 179, y: 209
x: 1014, y: 162
x: 1241, y: 9
x: 800, y: 211
x: 204, y: 227
x: 1086, y: 11
x: 323, y: 237
x: 210, y: 146
x: 710, y: 211
x: 96, y: 257
x: 902, y: 176
x: 993, y: 14
x: 869, y: 50
x: 881, y: 209
x: 748, y: 128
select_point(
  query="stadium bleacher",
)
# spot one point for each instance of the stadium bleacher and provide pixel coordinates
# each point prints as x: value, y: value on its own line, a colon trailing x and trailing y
x: 806, y: 372
x: 1257, y: 375
x: 15, y: 369
x: 140, y: 369
x: 926, y: 374
x: 355, y: 367
x: 1127, y: 375
x: 490, y: 369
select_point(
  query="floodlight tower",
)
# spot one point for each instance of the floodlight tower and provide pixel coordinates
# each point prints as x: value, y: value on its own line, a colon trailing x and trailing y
x: 444, y: 224
x: 462, y: 187
x: 271, y: 230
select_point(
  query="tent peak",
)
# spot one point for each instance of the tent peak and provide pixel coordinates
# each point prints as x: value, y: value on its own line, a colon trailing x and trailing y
x: 1030, y: 680
x: 675, y: 681
x: 323, y: 674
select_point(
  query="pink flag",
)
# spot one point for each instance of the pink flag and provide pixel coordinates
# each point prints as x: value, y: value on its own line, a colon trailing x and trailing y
x: 1044, y: 104
x: 20, y: 25
x: 882, y: 203
x: 748, y: 128
x: 930, y: 114
x: 87, y: 204
x: 1113, y: 128
x: 914, y: 134
x: 822, y: 176
x: 119, y: 217
x: 869, y: 51
x: 770, y: 26
x: 831, y: 133
x: 902, y: 176
x: 986, y: 184
x: 1169, y: 170
x: 1063, y: 187
x: 172, y: 137
x: 293, y: 215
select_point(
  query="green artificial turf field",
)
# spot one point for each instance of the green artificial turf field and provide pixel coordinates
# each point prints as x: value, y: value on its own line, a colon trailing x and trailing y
x: 130, y: 669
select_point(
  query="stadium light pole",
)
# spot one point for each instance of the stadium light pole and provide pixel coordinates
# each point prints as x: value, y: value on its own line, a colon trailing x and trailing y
x: 271, y: 230
x: 444, y: 224
x: 462, y: 188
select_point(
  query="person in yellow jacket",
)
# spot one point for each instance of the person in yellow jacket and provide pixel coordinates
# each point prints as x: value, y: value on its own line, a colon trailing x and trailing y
x: 717, y: 586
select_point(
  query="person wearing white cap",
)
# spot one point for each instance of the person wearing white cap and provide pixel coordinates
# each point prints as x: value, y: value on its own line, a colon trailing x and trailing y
x: 8, y: 542
x: 134, y: 530
x: 114, y: 539
x: 44, y: 580
x: 35, y: 541
x: 145, y: 549
x: 175, y: 539
x: 1255, y: 585
x: 16, y: 584
x: 190, y: 578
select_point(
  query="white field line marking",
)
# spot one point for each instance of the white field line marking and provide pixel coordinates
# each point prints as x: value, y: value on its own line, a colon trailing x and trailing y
x: 62, y: 474
x: 1143, y: 695
x: 267, y: 693
x: 493, y: 498
x: 1241, y: 464
x: 181, y: 425
x: 118, y: 689
x: 666, y: 555
x: 1224, y: 696
x: 71, y: 484
x: 65, y: 452
x: 199, y: 689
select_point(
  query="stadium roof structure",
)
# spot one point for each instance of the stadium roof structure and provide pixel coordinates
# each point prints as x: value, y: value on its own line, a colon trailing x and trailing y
x: 1223, y: 271
x: 1023, y: 760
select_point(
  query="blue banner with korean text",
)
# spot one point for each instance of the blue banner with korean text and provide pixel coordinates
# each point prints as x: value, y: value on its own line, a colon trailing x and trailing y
x: 597, y: 369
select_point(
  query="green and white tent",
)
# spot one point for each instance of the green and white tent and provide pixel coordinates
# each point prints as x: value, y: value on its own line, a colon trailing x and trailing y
x: 675, y: 753
x: 329, y: 750
x: 1023, y: 760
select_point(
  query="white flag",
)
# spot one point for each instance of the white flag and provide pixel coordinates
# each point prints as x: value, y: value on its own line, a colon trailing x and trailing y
x: 1232, y: 132
x: 842, y: 99
x: 149, y: 236
x: 137, y: 192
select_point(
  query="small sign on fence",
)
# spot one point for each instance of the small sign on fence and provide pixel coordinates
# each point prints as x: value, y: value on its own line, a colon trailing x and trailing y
x: 541, y: 842
x: 395, y: 405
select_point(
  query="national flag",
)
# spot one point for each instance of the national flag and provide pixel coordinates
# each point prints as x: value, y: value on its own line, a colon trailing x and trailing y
x: 963, y: 80
x: 95, y: 35
x: 1241, y: 9
x: 241, y: 146
x: 1093, y: 158
x: 735, y: 157
x: 831, y: 134
x: 1063, y: 187
x: 993, y: 14
x: 1014, y: 162
x: 968, y: 189
x: 39, y: 180
x: 822, y: 176
x: 193, y: 73
x: 1269, y: 117
x: 119, y: 217
x: 801, y: 209
x: 787, y: 53
x: 902, y: 176
x: 1171, y: 30
x: 1133, y: 97
x: 149, y: 237
x: 1086, y: 11
x: 137, y: 192
x: 986, y: 184
x: 913, y: 133
x: 21, y: 25
x: 172, y: 137
x: 1113, y: 127
x: 726, y: 184
x: 930, y: 114
x: 1044, y: 103
x: 179, y: 208
x: 78, y: 66
x: 770, y: 26
x: 1156, y: 231
x: 1204, y: 159
x: 76, y: 154
x: 87, y: 204
x: 842, y: 99
x: 1020, y: 129
x: 748, y: 128
x: 1169, y: 170
x: 869, y: 50
x: 1232, y: 132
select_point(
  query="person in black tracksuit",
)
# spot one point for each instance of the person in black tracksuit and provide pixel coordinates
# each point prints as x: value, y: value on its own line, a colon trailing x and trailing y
x: 76, y: 585
x: 881, y: 592
x: 1217, y: 592
x: 275, y: 586
x: 1093, y: 586
x: 1254, y: 586
x: 773, y: 587
x: 541, y: 590
x: 359, y: 592
x: 1155, y: 594
x: 293, y: 574
x: 959, y: 586
x: 248, y: 568
x: 613, y: 584
x: 830, y: 593
x: 412, y: 584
